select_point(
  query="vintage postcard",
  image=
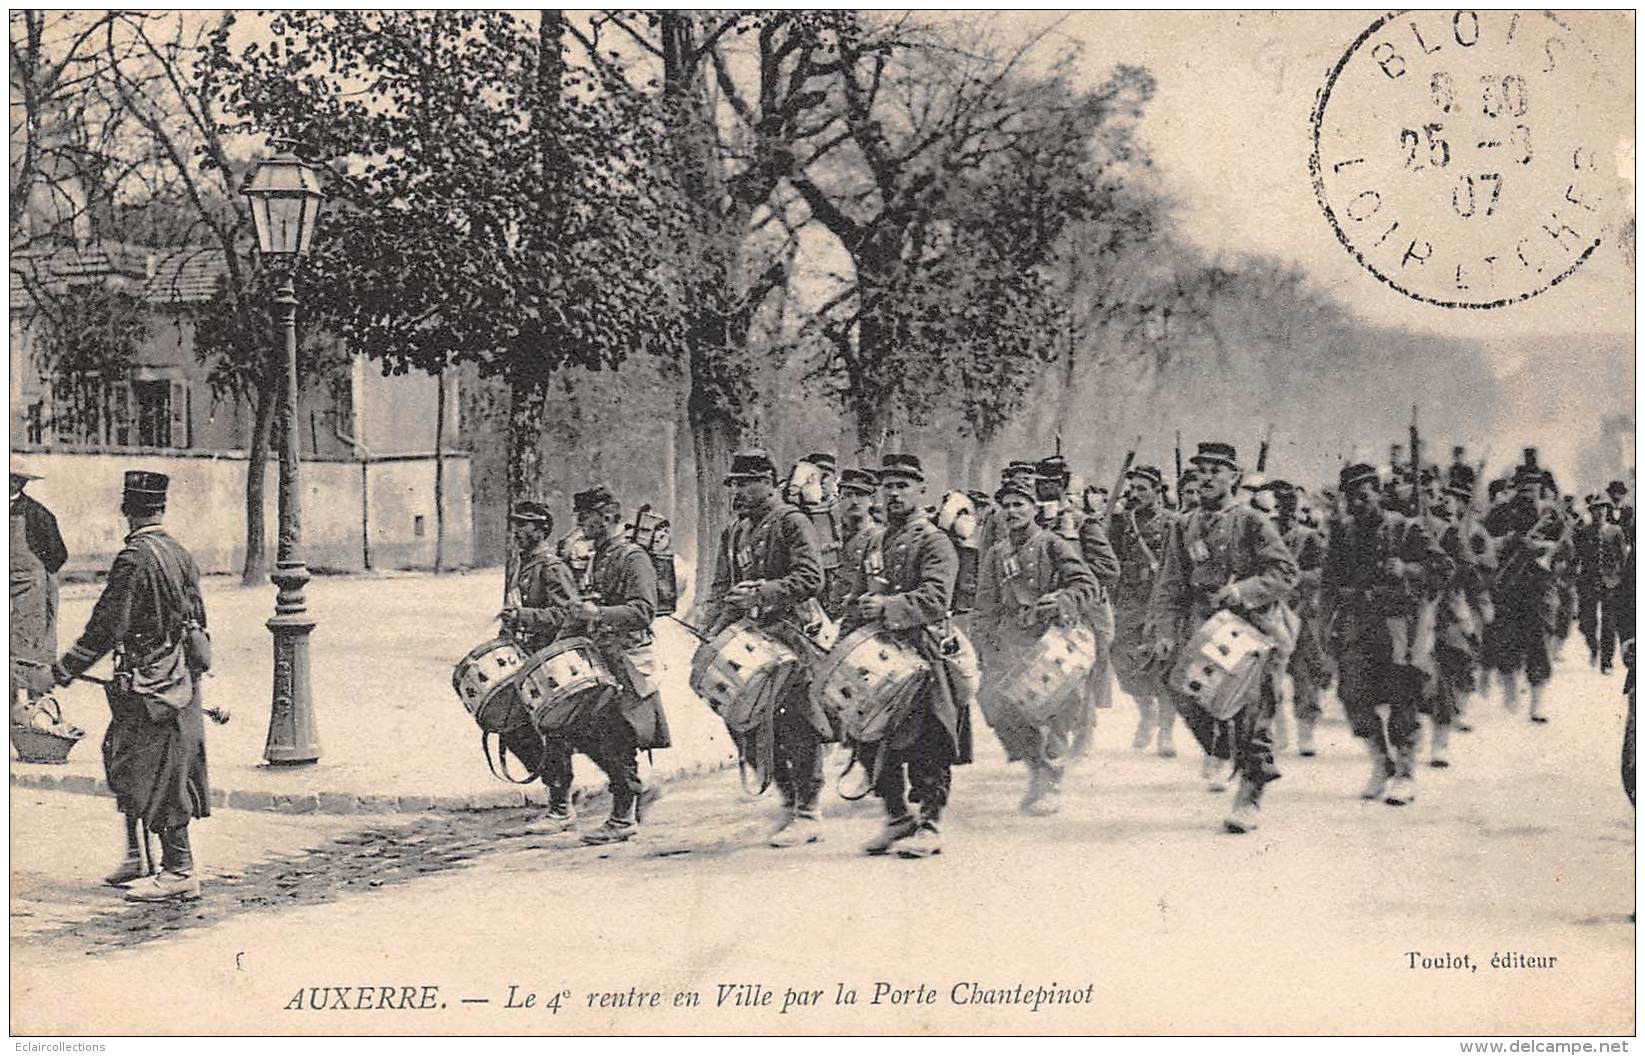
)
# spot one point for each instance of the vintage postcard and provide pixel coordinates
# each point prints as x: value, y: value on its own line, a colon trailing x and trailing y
x: 823, y: 522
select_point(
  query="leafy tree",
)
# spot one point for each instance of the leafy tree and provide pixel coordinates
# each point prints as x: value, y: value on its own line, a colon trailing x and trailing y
x: 493, y: 205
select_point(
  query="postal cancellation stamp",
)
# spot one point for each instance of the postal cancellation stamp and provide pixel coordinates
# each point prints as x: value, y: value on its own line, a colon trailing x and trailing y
x: 1452, y: 157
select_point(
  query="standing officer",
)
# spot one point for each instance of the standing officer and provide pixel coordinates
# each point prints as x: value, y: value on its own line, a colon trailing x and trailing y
x: 1137, y: 531
x: 768, y: 569
x: 617, y: 618
x: 154, y: 753
x: 910, y: 600
x: 37, y: 553
x: 1224, y: 555
x: 540, y: 600
x: 1377, y: 562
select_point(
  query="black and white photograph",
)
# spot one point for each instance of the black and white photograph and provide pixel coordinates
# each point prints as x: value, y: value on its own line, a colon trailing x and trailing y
x: 823, y: 522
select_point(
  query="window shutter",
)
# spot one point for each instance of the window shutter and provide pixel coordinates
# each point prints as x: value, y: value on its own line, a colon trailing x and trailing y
x: 179, y: 415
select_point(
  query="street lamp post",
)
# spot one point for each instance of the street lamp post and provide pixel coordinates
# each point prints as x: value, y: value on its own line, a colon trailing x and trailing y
x: 285, y: 196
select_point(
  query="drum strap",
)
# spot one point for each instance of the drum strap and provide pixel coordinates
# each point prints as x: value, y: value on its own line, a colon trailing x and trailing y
x: 854, y: 761
x: 502, y: 761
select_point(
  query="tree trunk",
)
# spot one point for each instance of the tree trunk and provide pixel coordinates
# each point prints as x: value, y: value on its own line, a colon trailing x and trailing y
x: 439, y: 471
x: 528, y: 405
x: 713, y: 438
x: 255, y: 572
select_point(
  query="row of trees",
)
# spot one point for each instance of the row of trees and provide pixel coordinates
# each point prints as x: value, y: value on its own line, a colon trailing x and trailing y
x: 925, y: 228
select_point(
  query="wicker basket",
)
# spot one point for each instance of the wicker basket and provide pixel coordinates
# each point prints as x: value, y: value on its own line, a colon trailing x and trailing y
x: 35, y: 745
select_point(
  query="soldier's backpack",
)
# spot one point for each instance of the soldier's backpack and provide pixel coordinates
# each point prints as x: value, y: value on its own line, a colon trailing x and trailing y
x: 655, y: 537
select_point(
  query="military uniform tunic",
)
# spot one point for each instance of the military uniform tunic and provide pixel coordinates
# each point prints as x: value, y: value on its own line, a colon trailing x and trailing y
x: 1138, y: 538
x: 543, y: 593
x: 1018, y: 573
x: 154, y: 755
x: 1205, y: 551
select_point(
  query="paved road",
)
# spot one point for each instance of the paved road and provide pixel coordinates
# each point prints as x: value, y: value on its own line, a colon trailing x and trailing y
x: 1524, y: 847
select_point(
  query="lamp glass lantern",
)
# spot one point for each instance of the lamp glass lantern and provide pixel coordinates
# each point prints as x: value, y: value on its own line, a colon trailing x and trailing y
x: 285, y: 196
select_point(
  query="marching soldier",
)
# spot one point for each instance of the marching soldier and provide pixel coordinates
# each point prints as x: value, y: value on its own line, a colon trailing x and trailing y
x: 862, y: 537
x: 1017, y: 473
x: 540, y: 601
x: 910, y: 598
x: 1030, y: 580
x: 769, y: 570
x: 1376, y: 564
x: 1223, y: 555
x: 1462, y: 610
x: 1059, y: 514
x: 154, y: 752
x: 1525, y: 595
x: 617, y: 617
x: 1309, y: 669
x: 1600, y: 552
x: 1137, y: 531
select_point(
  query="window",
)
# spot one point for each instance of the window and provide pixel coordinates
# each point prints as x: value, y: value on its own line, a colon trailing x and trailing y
x: 34, y: 428
x: 153, y: 399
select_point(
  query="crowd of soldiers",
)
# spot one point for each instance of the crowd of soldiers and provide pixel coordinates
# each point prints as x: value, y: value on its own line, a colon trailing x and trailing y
x: 1407, y: 587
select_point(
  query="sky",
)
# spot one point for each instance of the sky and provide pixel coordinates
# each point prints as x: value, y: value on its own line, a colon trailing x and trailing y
x: 1230, y: 131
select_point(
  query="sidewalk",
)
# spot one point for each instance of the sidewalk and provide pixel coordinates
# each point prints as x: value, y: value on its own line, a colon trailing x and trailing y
x: 393, y: 735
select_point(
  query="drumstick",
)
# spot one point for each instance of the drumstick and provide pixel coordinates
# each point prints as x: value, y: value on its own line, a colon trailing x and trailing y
x: 700, y: 636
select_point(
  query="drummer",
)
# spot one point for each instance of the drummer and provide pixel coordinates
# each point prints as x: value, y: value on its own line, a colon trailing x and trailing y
x: 618, y: 619
x: 1031, y: 580
x: 769, y: 569
x: 541, y: 597
x: 1222, y: 554
x: 909, y: 599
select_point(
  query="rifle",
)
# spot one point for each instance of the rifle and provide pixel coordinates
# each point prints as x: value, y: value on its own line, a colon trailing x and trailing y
x: 1178, y: 480
x: 218, y: 715
x: 1119, y: 481
x: 1416, y: 466
x: 1262, y: 452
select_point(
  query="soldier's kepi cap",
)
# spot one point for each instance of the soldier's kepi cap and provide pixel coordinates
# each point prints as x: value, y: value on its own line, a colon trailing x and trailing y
x: 753, y: 463
x: 597, y: 497
x: 863, y: 481
x: 1010, y: 488
x: 822, y: 460
x: 906, y: 466
x: 1599, y: 498
x: 1018, y: 467
x: 1053, y: 468
x: 1149, y: 473
x: 1213, y: 453
x: 1616, y: 489
x: 527, y: 512
x: 145, y: 489
x: 1355, y: 475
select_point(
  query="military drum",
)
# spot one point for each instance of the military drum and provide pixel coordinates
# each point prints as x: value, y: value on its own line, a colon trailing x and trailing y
x: 1221, y: 667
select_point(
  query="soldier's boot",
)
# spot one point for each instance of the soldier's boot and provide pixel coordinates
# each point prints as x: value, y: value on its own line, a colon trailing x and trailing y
x: 1281, y: 728
x: 1167, y: 723
x: 1305, y: 738
x: 927, y: 838
x: 1210, y: 769
x: 176, y: 878
x: 1381, y: 770
x: 1439, y: 751
x: 620, y: 826
x: 897, y: 827
x: 1044, y: 791
x: 1247, y: 807
x: 1145, y: 724
x: 139, y: 859
x: 559, y: 816
x: 804, y: 824
x: 1403, y: 788
x: 1536, y: 706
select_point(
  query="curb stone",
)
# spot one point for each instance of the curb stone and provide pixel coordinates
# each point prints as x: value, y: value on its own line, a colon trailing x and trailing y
x: 343, y: 803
